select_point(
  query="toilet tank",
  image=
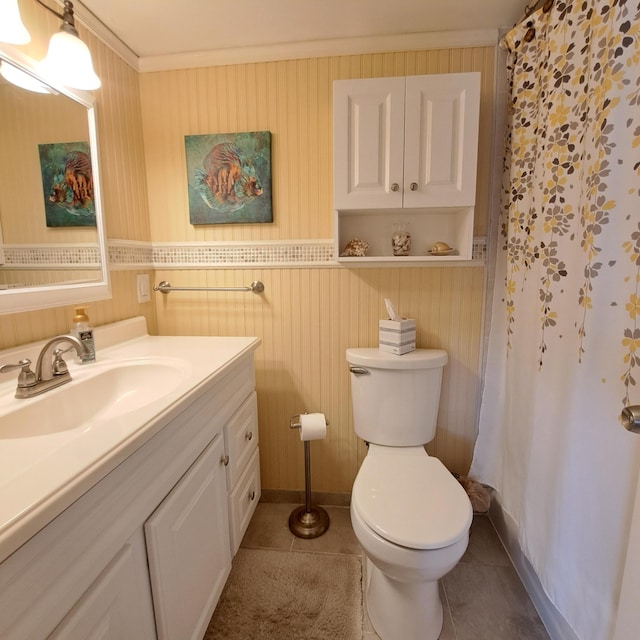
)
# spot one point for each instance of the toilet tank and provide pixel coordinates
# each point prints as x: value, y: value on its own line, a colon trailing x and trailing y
x: 395, y: 398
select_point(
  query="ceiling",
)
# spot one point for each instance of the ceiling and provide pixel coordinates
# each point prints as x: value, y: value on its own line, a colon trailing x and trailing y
x: 152, y: 28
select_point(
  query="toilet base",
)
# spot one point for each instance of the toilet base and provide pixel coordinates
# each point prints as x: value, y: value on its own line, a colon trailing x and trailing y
x: 407, y: 610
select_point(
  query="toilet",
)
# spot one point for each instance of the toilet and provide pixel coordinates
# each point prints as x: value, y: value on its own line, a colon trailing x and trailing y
x: 409, y: 513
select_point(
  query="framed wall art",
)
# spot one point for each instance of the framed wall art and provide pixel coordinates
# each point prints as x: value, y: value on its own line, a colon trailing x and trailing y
x: 229, y: 177
x: 67, y: 182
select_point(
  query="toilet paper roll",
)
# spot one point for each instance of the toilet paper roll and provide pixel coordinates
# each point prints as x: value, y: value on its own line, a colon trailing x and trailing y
x: 313, y: 426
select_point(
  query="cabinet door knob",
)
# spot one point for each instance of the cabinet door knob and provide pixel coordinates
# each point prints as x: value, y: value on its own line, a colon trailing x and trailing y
x: 413, y: 186
x: 395, y: 186
x: 248, y: 435
x: 224, y: 460
x: 252, y: 495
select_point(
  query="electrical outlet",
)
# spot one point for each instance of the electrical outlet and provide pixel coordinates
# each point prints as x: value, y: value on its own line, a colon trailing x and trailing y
x: 144, y: 291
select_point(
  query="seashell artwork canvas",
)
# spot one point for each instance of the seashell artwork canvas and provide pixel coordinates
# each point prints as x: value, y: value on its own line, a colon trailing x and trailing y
x: 229, y: 177
x: 67, y: 182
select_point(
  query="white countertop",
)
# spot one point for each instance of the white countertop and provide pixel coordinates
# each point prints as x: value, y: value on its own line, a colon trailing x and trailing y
x: 42, y: 475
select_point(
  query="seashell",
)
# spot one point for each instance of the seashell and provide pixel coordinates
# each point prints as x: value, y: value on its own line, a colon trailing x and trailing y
x: 355, y: 248
x: 440, y: 246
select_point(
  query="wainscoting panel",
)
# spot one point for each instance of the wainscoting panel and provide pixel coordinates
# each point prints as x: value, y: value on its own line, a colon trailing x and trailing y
x: 306, y: 319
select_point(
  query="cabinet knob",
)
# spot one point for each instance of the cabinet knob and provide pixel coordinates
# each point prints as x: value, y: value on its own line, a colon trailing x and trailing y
x: 395, y: 186
x: 224, y: 460
x: 248, y: 435
x: 252, y: 495
x: 413, y: 186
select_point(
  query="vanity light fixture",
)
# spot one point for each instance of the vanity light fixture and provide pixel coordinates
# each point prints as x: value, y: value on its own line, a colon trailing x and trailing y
x: 68, y: 59
x: 12, y: 30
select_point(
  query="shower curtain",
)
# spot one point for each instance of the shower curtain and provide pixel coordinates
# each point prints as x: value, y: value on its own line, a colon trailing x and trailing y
x: 564, y: 345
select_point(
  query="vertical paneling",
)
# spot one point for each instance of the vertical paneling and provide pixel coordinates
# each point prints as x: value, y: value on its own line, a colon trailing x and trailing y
x: 307, y: 318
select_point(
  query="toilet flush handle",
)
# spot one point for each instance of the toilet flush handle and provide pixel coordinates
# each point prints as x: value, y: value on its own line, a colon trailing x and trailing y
x: 359, y: 371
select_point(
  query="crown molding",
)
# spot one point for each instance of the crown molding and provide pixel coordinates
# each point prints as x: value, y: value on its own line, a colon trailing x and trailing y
x: 286, y: 51
x: 321, y: 49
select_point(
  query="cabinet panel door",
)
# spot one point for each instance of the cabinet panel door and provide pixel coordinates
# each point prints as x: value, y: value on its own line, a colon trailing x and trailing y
x: 188, y: 548
x: 118, y: 604
x: 441, y: 140
x: 368, y: 131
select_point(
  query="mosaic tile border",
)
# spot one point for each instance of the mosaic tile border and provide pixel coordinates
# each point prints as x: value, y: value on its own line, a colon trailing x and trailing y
x: 51, y: 257
x: 127, y: 255
x: 303, y: 253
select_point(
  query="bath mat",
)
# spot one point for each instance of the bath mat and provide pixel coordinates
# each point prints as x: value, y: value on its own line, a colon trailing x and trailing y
x: 286, y: 595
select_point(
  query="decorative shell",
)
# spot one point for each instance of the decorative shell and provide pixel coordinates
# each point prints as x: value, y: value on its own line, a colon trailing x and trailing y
x: 355, y: 248
x: 440, y: 246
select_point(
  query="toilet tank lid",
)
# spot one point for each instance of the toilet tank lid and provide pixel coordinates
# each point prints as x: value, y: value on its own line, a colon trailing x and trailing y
x: 418, y: 359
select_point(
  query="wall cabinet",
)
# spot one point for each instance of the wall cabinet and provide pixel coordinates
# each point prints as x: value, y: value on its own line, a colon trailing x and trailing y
x: 405, y: 151
x: 146, y: 551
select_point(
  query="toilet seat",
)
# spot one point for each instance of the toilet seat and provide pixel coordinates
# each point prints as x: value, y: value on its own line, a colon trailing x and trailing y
x: 411, y: 499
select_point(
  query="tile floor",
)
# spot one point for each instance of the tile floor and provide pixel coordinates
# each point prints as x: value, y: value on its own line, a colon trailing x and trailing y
x: 483, y: 597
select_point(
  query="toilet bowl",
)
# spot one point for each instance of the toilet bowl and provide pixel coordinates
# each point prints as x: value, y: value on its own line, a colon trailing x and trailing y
x: 412, y: 518
x: 408, y: 512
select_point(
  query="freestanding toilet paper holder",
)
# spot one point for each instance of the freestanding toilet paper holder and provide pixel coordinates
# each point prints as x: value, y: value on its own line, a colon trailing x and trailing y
x: 307, y: 521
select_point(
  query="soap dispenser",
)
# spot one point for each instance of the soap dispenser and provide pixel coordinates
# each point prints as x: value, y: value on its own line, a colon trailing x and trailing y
x: 83, y: 330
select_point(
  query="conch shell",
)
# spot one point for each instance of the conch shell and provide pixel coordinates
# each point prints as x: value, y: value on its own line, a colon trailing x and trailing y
x: 355, y: 248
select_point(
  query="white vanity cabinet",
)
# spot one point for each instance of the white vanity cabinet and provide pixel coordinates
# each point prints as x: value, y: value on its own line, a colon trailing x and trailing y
x: 145, y: 552
x: 405, y: 151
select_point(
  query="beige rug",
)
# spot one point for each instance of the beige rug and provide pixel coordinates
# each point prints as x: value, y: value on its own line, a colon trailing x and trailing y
x: 285, y: 595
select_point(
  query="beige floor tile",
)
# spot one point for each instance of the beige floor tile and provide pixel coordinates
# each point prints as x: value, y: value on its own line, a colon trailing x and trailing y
x: 483, y: 598
x: 488, y: 602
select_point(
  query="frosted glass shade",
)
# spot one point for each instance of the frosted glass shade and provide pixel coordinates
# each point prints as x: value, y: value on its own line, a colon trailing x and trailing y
x: 12, y: 30
x: 68, y: 62
x: 21, y: 78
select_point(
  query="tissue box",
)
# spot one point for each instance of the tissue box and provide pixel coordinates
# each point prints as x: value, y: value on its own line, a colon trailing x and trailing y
x: 397, y: 336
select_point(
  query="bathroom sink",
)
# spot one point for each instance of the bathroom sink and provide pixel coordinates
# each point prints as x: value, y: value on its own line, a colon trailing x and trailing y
x: 97, y: 394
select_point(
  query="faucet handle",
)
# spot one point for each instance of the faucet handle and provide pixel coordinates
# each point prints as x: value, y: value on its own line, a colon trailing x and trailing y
x: 26, y: 377
x: 59, y: 365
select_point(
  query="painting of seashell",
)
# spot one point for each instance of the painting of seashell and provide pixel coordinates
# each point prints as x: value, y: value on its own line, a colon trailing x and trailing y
x: 355, y: 248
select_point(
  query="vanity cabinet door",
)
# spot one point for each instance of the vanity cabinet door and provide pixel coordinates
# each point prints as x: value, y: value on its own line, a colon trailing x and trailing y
x: 188, y: 548
x: 118, y: 604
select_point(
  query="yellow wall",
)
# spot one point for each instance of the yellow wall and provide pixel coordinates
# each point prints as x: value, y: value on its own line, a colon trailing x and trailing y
x: 123, y: 182
x: 309, y: 316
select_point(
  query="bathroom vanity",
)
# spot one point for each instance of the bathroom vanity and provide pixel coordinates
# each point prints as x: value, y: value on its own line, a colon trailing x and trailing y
x: 124, y: 526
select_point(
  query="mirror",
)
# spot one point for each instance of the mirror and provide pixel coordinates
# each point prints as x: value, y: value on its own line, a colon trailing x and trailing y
x: 52, y: 242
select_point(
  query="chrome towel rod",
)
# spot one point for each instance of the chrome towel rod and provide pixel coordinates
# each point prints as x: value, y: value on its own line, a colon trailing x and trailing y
x: 165, y: 287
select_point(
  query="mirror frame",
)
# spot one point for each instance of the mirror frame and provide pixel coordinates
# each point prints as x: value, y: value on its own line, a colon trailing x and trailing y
x: 34, y: 298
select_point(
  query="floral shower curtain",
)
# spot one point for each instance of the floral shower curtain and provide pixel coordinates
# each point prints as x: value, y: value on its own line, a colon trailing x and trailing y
x: 564, y: 346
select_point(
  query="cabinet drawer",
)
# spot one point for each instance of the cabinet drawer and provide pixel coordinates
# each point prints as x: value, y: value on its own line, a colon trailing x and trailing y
x: 241, y: 439
x: 243, y: 501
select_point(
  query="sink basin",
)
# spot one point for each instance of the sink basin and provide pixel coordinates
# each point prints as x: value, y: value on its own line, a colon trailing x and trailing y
x: 100, y: 394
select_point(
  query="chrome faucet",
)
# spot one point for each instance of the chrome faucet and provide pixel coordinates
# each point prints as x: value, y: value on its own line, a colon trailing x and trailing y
x: 51, y: 369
